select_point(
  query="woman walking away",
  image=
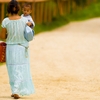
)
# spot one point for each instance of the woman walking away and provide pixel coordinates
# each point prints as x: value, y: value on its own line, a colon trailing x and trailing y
x: 17, y: 55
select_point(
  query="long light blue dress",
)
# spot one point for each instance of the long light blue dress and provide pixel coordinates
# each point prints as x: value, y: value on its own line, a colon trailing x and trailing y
x: 17, y: 57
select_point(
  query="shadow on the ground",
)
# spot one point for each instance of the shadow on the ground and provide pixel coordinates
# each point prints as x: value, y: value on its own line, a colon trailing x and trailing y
x: 5, y: 97
x: 8, y: 97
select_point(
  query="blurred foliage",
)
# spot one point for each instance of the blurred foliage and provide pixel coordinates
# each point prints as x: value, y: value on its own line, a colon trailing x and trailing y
x: 90, y: 11
x: 80, y: 2
x: 1, y: 64
x: 81, y: 13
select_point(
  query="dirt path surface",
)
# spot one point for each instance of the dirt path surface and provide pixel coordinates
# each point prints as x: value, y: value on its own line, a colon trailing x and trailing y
x: 65, y: 64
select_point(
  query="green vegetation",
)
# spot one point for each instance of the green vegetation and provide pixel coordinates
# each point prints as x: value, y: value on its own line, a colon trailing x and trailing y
x: 1, y: 64
x: 57, y: 22
x: 88, y: 12
x: 79, y: 2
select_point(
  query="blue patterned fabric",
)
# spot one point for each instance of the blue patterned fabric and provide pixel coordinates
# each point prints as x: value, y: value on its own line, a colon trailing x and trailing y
x: 28, y: 34
x: 17, y: 57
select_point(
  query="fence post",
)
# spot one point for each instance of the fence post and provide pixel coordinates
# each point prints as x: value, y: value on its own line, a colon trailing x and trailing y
x: 74, y: 6
x: 33, y: 10
x: 55, y: 8
x: 49, y: 11
x: 69, y: 7
x: 41, y: 11
x: 2, y: 11
x: 45, y: 12
x: 60, y: 7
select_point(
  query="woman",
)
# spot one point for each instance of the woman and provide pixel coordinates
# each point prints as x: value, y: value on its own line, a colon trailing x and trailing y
x: 17, y: 57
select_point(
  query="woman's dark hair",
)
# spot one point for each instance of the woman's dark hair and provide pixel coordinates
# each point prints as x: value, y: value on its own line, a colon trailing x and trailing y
x: 13, y: 7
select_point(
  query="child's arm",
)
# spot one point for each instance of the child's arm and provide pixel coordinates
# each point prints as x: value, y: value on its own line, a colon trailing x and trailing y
x: 31, y: 22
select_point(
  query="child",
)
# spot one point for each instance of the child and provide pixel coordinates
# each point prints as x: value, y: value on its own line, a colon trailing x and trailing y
x: 27, y: 9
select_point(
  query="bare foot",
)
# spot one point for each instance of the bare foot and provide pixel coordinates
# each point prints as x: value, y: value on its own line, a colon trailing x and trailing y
x: 12, y: 95
x: 16, y: 96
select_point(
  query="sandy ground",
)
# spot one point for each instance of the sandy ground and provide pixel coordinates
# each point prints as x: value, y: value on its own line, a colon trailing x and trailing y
x: 65, y: 64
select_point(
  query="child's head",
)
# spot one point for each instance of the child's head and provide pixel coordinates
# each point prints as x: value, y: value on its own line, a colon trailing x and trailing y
x: 13, y: 7
x: 27, y: 9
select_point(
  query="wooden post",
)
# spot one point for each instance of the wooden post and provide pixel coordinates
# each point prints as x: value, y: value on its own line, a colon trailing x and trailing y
x: 68, y: 6
x: 38, y: 12
x: 37, y: 16
x: 41, y: 12
x: 49, y: 12
x: 64, y: 5
x: 88, y: 2
x: 94, y: 1
x: 33, y: 10
x: 73, y: 6
x: 55, y: 8
x: 60, y: 6
x: 45, y: 12
x: 2, y: 11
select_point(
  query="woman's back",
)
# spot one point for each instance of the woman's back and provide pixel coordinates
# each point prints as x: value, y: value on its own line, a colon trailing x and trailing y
x: 15, y: 30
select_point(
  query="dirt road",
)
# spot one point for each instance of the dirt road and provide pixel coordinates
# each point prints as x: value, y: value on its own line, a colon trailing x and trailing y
x: 65, y: 64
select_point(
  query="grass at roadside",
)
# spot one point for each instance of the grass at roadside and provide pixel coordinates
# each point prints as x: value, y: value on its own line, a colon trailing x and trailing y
x: 57, y: 22
x: 2, y: 64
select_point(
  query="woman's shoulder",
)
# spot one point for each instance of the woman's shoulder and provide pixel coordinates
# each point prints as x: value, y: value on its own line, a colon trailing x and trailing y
x: 6, y: 19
